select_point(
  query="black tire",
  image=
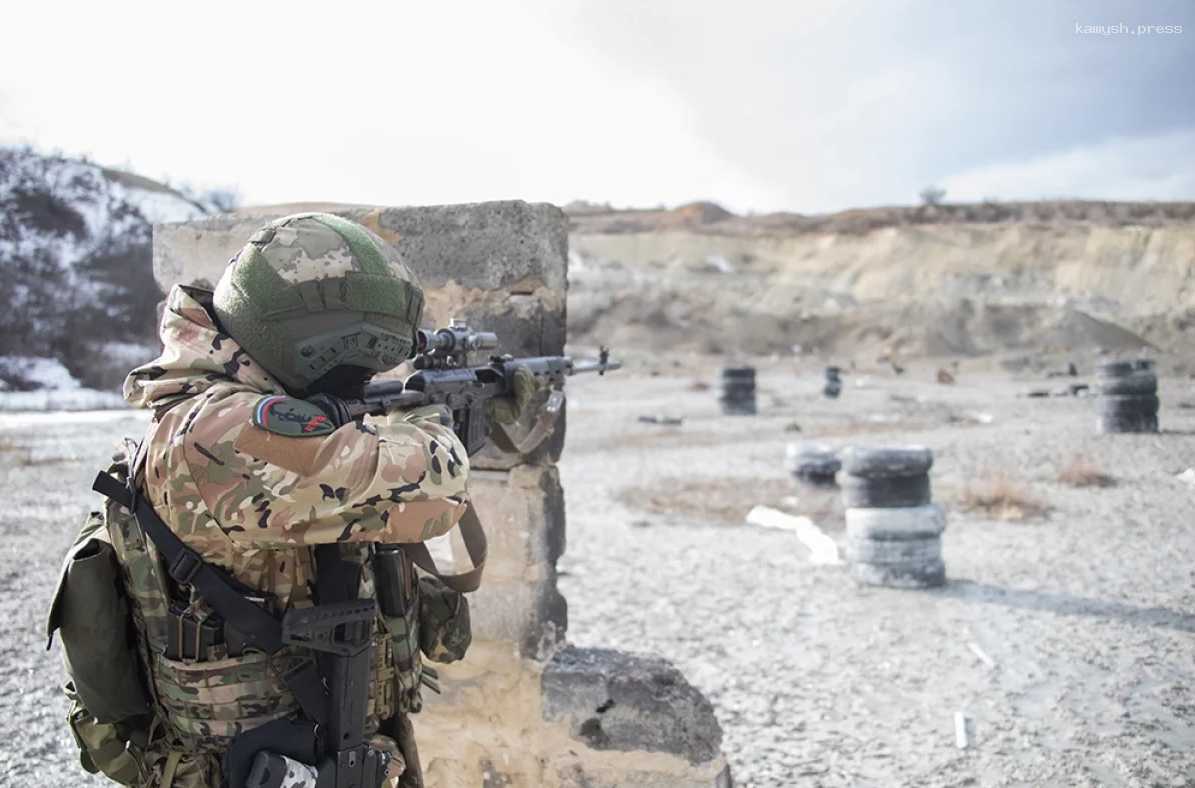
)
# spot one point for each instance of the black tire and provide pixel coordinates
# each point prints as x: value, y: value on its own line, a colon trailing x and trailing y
x: 1113, y: 424
x: 816, y: 479
x: 887, y: 462
x: 811, y: 458
x: 739, y: 374
x: 816, y: 467
x: 738, y: 407
x: 919, y: 574
x: 1115, y: 369
x: 1134, y: 384
x: 1129, y: 405
x: 888, y: 551
x: 737, y: 395
x: 909, y: 523
x: 895, y: 492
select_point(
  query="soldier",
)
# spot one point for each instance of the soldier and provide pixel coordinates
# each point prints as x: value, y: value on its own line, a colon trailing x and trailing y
x: 245, y: 462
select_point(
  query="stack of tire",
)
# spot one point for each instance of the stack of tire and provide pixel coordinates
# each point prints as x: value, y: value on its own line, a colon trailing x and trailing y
x: 893, y: 530
x: 1128, y: 396
x: 738, y: 391
x: 814, y: 464
x: 833, y: 386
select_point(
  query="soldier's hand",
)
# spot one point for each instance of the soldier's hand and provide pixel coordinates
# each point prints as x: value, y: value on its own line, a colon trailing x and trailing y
x: 522, y: 422
x: 528, y: 394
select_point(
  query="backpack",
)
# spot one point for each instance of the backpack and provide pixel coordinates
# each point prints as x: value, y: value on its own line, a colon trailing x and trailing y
x: 110, y: 712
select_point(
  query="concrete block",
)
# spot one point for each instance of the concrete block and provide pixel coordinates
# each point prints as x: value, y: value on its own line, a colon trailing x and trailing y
x: 500, y: 266
x: 522, y: 511
x: 533, y: 615
x: 501, y: 263
x: 613, y: 700
x: 510, y: 245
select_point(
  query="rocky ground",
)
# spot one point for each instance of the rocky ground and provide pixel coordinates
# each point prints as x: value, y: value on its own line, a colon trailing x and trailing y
x: 1068, y: 636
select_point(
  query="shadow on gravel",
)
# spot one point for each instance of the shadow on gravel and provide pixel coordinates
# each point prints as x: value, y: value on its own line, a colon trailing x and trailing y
x: 1069, y: 605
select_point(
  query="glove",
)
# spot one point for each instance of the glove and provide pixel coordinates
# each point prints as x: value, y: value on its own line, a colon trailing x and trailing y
x: 527, y: 393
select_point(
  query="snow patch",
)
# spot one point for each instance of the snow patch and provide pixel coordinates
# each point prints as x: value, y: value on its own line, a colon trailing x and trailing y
x: 68, y: 399
x: 129, y: 354
x: 162, y: 207
x: 32, y: 372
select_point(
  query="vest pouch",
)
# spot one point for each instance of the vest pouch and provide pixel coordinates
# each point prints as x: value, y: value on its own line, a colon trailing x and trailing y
x: 98, y: 642
x: 208, y: 704
x: 403, y: 634
x: 445, y: 631
x: 103, y: 746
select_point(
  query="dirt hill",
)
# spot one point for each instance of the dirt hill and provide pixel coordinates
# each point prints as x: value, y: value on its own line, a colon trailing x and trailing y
x: 949, y: 280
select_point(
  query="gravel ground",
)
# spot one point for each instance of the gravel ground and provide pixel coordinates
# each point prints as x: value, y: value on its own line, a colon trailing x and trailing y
x: 1084, y: 616
x: 47, y: 462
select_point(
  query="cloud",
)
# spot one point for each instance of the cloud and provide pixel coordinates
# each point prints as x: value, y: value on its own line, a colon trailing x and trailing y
x: 759, y: 105
x: 1154, y: 167
x: 841, y: 104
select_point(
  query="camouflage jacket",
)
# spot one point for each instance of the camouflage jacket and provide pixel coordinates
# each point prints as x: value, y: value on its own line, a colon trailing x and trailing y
x: 252, y: 501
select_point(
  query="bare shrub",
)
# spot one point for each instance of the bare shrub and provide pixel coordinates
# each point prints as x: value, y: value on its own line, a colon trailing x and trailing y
x: 1081, y: 472
x: 932, y: 195
x: 1001, y: 496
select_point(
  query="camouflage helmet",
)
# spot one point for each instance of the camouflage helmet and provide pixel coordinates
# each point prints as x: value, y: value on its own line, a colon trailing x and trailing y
x: 313, y: 291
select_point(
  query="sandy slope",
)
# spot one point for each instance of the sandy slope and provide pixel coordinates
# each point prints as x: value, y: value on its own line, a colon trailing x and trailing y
x: 910, y: 289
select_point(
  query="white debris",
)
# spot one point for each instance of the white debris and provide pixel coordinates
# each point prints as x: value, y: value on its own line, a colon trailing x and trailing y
x: 964, y: 730
x: 823, y: 549
x: 1187, y: 476
x: 983, y: 657
x: 720, y: 264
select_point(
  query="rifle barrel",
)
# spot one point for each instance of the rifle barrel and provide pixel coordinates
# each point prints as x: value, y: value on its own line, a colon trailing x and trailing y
x: 593, y: 365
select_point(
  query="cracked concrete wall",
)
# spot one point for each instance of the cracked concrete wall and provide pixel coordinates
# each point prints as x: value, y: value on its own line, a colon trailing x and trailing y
x: 517, y: 710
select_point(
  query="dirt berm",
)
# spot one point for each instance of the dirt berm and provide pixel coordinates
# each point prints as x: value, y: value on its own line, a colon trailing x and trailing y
x: 958, y: 280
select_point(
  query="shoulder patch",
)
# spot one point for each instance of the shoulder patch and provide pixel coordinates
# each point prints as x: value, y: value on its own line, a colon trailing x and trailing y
x: 294, y: 418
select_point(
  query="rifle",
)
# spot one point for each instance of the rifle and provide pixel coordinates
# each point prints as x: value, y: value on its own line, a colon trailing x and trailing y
x: 443, y: 377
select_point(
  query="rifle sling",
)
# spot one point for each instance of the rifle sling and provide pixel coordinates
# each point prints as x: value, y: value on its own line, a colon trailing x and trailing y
x: 473, y: 535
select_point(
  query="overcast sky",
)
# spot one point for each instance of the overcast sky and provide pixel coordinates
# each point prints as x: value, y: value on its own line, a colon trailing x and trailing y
x: 804, y: 106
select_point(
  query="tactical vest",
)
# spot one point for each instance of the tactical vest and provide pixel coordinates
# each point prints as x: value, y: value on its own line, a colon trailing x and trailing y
x: 172, y: 682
